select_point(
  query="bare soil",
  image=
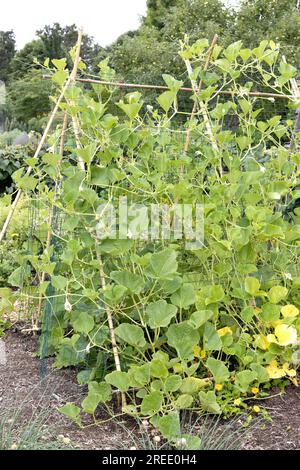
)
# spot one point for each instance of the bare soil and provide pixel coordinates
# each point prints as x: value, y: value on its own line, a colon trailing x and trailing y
x: 21, y: 385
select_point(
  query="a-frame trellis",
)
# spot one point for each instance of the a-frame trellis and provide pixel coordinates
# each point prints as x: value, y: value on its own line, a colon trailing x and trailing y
x: 198, y: 106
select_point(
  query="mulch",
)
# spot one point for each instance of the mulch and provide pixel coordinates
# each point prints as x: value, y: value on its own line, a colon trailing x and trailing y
x: 21, y: 386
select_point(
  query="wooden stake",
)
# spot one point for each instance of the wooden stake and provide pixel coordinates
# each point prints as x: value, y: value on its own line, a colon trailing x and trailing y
x: 35, y: 318
x: 76, y: 127
x: 296, y: 96
x: 210, y: 52
x: 258, y: 94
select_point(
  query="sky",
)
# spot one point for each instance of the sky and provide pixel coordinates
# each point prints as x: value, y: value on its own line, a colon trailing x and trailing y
x: 103, y: 19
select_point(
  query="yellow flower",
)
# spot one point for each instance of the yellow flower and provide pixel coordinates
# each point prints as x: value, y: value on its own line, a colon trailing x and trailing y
x: 261, y: 341
x: 223, y: 331
x: 274, y: 371
x: 256, y: 409
x: 291, y: 373
x: 197, y: 351
x: 237, y: 401
x: 286, y: 335
x: 294, y: 381
x: 289, y: 311
x: 203, y: 354
x: 218, y: 387
x: 254, y: 390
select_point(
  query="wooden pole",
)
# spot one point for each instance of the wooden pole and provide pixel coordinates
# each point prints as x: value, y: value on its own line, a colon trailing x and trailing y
x: 296, y: 96
x: 210, y: 52
x: 258, y: 94
x: 76, y: 128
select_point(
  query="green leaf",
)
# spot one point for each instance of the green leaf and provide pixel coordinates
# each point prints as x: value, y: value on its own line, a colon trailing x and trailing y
x: 200, y: 317
x: 131, y: 109
x: 118, y: 379
x: 131, y: 281
x: 152, y: 403
x: 244, y: 379
x: 82, y: 322
x: 172, y: 83
x: 287, y: 71
x: 277, y: 293
x: 169, y: 425
x: 59, y: 282
x: 163, y: 264
x: 211, y: 339
x: 158, y: 369
x: 184, y: 296
x: 131, y: 334
x: 252, y: 285
x: 166, y: 99
x: 192, y: 385
x: 51, y: 159
x: 17, y: 277
x: 72, y: 412
x: 183, y: 402
x: 141, y: 374
x: 172, y: 383
x: 218, y: 369
x: 183, y: 338
x: 270, y: 312
x: 215, y: 294
x: 98, y: 393
x: 27, y: 182
x: 209, y: 402
x: 262, y: 375
x: 160, y: 313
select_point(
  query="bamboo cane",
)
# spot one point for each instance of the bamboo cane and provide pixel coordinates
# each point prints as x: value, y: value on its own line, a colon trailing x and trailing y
x: 210, y: 52
x: 76, y: 128
x: 35, y: 318
x: 258, y: 94
x: 296, y: 96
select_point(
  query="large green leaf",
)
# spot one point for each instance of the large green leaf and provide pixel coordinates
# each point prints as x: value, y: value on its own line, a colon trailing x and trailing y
x: 169, y: 425
x: 82, y: 322
x: 131, y: 334
x: 118, y: 379
x: 183, y: 338
x: 98, y: 393
x: 209, y: 403
x: 131, y: 281
x: 244, y: 378
x: 200, y: 317
x: 184, y: 296
x: 163, y: 264
x: 160, y: 314
x: 211, y: 339
x: 218, y: 369
x: 152, y: 403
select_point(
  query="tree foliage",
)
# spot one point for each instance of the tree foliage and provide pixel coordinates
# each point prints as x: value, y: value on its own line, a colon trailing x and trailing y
x: 7, y: 52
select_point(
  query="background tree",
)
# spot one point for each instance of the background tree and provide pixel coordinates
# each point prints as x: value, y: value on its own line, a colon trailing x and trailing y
x: 156, y: 11
x: 273, y: 19
x: 58, y: 41
x: 24, y: 60
x: 7, y: 52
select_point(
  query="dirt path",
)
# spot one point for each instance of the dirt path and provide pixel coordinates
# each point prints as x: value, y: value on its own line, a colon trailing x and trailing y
x: 20, y: 382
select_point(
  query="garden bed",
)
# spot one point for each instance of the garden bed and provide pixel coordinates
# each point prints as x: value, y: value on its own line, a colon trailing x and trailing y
x: 20, y: 384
